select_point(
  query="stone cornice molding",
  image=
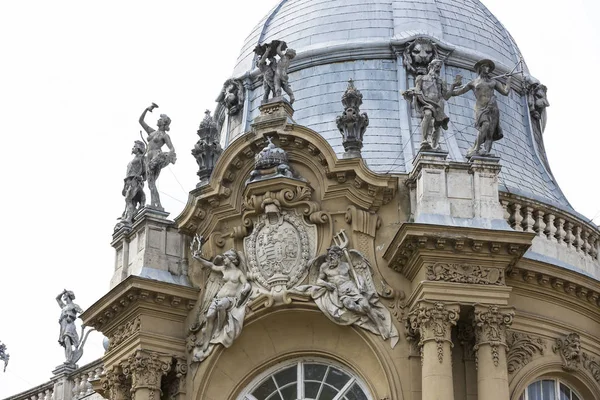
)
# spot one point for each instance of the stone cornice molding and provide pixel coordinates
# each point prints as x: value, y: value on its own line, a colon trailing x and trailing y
x: 490, y: 323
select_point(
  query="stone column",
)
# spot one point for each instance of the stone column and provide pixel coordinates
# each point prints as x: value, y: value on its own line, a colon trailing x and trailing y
x: 177, y: 385
x: 490, y: 323
x: 115, y: 384
x: 146, y: 369
x: 434, y: 321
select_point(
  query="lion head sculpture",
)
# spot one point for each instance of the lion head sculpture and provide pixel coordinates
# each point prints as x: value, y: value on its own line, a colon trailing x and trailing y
x: 418, y: 54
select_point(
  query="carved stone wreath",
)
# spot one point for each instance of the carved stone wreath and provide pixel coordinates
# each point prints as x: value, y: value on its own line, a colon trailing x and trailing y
x: 465, y: 273
x: 279, y: 248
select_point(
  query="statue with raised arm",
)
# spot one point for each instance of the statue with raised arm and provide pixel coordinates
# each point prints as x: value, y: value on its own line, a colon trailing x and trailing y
x: 267, y: 70
x: 221, y: 317
x: 4, y: 356
x: 281, y: 72
x: 275, y: 73
x: 487, y: 114
x: 429, y: 96
x: 156, y: 160
x: 133, y: 184
x: 68, y: 337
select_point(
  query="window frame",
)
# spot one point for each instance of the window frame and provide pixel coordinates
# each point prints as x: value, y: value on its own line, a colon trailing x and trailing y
x: 557, y: 383
x: 245, y: 394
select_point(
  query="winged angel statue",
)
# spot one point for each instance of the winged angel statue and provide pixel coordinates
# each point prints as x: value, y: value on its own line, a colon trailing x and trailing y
x: 341, y: 284
x: 221, y: 317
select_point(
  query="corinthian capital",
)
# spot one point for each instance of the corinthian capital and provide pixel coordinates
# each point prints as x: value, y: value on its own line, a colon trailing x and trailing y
x: 434, y: 321
x: 490, y: 323
x: 115, y: 384
x: 146, y: 370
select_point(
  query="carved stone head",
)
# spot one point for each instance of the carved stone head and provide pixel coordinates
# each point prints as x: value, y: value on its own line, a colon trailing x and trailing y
x: 418, y: 54
x: 232, y: 96
x: 164, y: 122
x: 569, y: 349
x: 537, y: 100
x: 139, y: 147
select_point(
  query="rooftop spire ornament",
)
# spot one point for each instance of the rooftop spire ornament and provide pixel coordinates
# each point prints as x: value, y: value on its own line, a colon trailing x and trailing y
x: 208, y: 149
x: 352, y: 123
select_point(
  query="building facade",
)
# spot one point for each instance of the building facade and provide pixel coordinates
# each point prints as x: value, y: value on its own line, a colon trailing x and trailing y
x: 357, y: 244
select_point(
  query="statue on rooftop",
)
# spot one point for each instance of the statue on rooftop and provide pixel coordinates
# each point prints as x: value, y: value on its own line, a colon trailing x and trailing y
x: 4, y: 356
x: 133, y: 187
x: 487, y: 114
x: 428, y: 96
x: 156, y: 160
x: 275, y: 73
x: 68, y: 337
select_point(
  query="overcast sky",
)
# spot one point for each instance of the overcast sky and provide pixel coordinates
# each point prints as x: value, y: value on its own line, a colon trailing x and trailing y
x: 77, y: 74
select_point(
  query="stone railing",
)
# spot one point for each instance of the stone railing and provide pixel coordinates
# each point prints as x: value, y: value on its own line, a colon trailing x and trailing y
x: 41, y: 392
x: 81, y: 379
x: 579, y: 238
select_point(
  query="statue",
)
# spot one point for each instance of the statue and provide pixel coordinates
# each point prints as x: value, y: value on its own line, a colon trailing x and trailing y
x: 156, y: 160
x: 4, y: 356
x: 208, y: 149
x: 224, y: 307
x: 352, y: 124
x: 68, y: 337
x: 429, y: 94
x: 418, y: 54
x: 487, y: 114
x: 133, y: 187
x: 341, y: 285
x: 537, y: 101
x: 232, y: 96
x: 275, y: 74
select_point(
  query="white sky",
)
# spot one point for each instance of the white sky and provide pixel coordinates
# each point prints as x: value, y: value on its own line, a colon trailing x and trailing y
x: 75, y: 77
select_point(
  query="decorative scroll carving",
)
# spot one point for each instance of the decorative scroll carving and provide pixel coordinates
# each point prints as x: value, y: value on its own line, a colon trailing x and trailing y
x: 115, y: 385
x: 465, y: 273
x: 521, y: 349
x: 434, y: 322
x: 232, y: 96
x: 352, y: 124
x: 418, y: 54
x: 341, y: 284
x: 592, y: 366
x: 124, y: 332
x: 490, y: 323
x: 569, y: 349
x: 208, y: 149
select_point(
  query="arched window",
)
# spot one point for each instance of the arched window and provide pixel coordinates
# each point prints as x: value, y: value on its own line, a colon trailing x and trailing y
x: 549, y: 389
x: 307, y: 380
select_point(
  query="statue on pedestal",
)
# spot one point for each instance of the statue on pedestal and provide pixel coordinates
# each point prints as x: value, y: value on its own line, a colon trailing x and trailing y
x: 156, y: 160
x: 429, y: 95
x: 68, y: 337
x: 224, y: 307
x: 4, y: 356
x: 487, y: 114
x: 133, y: 188
x: 275, y: 73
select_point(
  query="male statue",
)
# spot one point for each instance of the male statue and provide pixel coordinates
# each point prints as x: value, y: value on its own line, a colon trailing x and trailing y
x: 487, y: 114
x: 281, y: 72
x: 133, y: 188
x: 268, y: 72
x: 429, y: 94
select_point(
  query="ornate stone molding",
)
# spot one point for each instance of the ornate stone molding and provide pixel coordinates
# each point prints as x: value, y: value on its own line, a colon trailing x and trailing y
x: 592, y: 366
x: 569, y: 349
x: 352, y: 124
x: 146, y: 369
x: 490, y: 323
x: 465, y: 273
x: 115, y: 385
x: 433, y: 322
x: 124, y: 332
x: 175, y: 386
x: 521, y: 349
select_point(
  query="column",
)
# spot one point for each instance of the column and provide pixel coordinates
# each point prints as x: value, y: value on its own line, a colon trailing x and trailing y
x: 115, y: 384
x: 434, y: 321
x: 146, y: 369
x: 490, y: 323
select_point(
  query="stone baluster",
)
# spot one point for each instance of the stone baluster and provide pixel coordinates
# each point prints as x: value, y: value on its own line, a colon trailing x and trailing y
x: 76, y: 383
x: 528, y: 221
x: 516, y: 218
x: 434, y: 322
x: 48, y: 394
x: 88, y: 386
x: 569, y: 237
x: 561, y: 233
x: 505, y: 205
x: 539, y: 225
x: 577, y: 240
x: 98, y: 373
x: 490, y: 323
x: 550, y: 228
x: 146, y: 369
x: 585, y: 237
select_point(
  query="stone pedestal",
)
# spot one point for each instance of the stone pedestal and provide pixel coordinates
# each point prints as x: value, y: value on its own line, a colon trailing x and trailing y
x: 152, y: 248
x: 63, y: 387
x: 274, y: 114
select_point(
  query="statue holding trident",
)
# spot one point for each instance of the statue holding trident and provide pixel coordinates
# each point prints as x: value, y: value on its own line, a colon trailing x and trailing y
x: 156, y: 160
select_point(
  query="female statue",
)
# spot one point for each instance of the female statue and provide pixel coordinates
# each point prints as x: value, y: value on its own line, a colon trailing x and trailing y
x: 68, y: 337
x: 156, y: 160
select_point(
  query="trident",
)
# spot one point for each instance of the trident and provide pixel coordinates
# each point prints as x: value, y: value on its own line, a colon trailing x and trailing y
x: 341, y: 240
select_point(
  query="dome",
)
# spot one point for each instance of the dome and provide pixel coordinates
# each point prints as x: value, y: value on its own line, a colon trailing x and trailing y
x: 340, y: 40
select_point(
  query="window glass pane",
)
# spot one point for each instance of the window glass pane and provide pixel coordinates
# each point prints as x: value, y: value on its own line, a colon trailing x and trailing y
x: 286, y: 376
x: 311, y: 389
x: 314, y: 372
x: 356, y: 393
x: 548, y: 390
x: 290, y: 392
x: 327, y: 393
x: 337, y: 378
x: 575, y: 397
x: 274, y: 396
x: 265, y: 389
x: 534, y: 391
x: 565, y: 392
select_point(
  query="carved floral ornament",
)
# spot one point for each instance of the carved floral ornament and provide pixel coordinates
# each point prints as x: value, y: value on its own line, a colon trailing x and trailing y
x: 491, y: 323
x: 465, y: 273
x: 433, y: 322
x: 521, y: 349
x: 146, y: 369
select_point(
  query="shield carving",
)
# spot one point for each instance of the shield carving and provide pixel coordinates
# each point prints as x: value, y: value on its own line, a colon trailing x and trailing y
x: 279, y: 249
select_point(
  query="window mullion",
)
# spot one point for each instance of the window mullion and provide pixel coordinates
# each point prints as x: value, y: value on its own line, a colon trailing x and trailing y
x: 300, y: 388
x: 344, y: 390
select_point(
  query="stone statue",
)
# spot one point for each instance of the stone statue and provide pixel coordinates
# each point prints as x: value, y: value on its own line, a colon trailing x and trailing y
x: 208, y: 149
x: 4, y: 356
x: 68, y: 337
x: 487, y: 114
x: 156, y: 160
x: 352, y: 124
x: 133, y: 187
x: 270, y: 162
x: 341, y: 285
x: 232, y: 96
x: 429, y: 95
x: 418, y: 54
x: 538, y: 102
x: 224, y: 307
x: 275, y: 73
